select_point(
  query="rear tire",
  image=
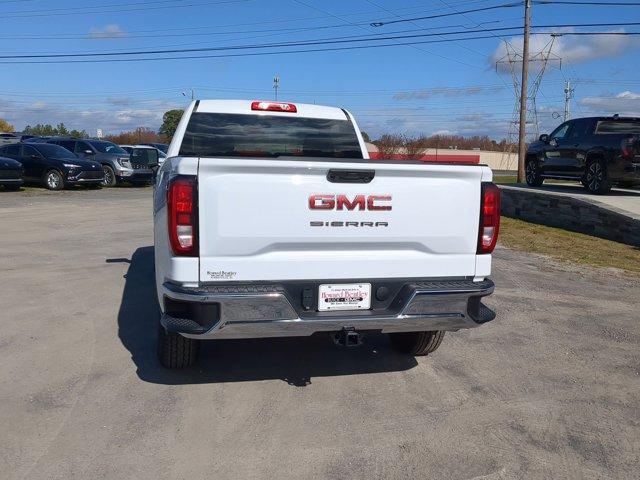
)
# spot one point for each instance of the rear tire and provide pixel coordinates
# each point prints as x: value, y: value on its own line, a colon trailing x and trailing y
x: 176, y: 351
x: 532, y: 173
x: 596, y: 179
x: 417, y: 343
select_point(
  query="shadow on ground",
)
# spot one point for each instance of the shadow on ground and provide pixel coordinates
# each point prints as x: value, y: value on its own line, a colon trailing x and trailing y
x: 293, y: 360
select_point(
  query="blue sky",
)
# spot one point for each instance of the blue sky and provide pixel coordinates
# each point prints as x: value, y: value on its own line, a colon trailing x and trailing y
x: 427, y: 88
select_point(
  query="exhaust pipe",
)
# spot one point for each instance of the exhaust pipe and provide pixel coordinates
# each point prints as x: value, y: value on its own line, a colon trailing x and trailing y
x: 348, y: 337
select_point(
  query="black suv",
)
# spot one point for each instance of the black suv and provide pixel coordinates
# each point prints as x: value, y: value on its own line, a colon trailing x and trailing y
x: 597, y: 151
x: 53, y: 166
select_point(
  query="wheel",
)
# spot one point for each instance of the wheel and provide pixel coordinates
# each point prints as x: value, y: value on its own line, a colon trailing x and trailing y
x: 53, y: 180
x: 109, y: 179
x: 532, y: 173
x: 417, y: 343
x: 176, y: 351
x: 596, y: 179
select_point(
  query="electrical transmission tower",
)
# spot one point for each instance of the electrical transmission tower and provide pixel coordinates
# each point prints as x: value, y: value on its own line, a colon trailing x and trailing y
x: 513, y: 60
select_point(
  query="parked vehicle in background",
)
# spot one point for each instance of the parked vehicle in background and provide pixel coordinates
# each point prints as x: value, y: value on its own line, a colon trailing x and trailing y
x: 11, y: 173
x: 37, y: 139
x: 163, y: 147
x: 115, y: 161
x: 598, y: 151
x: 8, y: 138
x: 270, y: 220
x: 143, y: 156
x: 53, y: 166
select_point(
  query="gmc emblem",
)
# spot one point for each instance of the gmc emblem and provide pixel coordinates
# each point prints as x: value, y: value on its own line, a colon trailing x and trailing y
x: 342, y: 202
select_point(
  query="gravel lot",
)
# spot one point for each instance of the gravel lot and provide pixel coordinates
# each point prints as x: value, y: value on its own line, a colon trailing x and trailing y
x: 550, y: 389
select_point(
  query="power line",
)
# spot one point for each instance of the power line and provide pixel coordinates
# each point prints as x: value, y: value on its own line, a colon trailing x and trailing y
x: 350, y: 39
x: 67, y: 11
x: 285, y: 52
x: 570, y: 2
x: 362, y: 28
x: 327, y: 41
x: 371, y: 2
x: 451, y: 14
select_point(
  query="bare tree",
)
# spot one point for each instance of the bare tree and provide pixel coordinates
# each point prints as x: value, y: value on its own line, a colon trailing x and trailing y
x: 390, y: 144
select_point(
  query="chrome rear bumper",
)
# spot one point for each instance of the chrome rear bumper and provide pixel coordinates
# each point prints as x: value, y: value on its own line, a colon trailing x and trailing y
x: 255, y: 311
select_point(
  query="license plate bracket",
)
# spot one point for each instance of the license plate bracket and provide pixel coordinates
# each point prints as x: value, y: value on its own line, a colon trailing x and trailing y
x: 344, y: 296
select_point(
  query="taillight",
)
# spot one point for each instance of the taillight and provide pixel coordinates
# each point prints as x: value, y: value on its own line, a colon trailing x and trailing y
x: 627, y: 147
x: 182, y: 209
x: 274, y: 107
x: 489, y: 218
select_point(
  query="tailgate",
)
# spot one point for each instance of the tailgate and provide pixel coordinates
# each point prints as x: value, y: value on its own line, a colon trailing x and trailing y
x: 284, y: 220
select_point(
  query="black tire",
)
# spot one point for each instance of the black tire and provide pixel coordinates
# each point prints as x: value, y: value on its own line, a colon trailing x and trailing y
x: 417, y: 343
x: 596, y: 179
x: 532, y: 173
x: 109, y: 177
x: 176, y: 351
x: 53, y: 179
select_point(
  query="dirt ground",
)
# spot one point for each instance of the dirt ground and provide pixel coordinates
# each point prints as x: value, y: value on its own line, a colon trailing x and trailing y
x: 550, y: 389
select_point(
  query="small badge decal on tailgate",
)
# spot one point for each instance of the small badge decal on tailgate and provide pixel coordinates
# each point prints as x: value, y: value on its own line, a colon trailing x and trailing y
x: 221, y: 275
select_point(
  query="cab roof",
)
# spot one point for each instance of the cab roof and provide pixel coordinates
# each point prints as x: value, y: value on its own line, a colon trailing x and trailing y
x: 305, y: 110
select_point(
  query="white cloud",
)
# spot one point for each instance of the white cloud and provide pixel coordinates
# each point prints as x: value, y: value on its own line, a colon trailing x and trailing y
x: 106, y: 117
x: 627, y: 103
x: 109, y: 31
x: 443, y: 132
x: 570, y: 48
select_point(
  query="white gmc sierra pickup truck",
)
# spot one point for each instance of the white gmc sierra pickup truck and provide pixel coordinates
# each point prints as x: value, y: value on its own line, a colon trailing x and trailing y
x: 271, y: 220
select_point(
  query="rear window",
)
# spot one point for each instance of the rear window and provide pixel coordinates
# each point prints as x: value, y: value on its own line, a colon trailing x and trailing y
x: 144, y: 156
x: 237, y: 135
x: 609, y: 127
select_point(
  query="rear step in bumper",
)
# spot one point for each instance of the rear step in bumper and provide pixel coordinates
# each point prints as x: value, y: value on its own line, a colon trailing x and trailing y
x: 256, y: 311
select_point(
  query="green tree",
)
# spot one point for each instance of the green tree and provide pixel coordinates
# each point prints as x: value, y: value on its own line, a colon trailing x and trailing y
x: 61, y: 129
x: 5, y: 126
x: 78, y: 134
x: 170, y: 121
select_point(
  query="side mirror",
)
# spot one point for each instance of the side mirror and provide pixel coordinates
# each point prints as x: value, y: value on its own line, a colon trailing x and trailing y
x: 544, y: 138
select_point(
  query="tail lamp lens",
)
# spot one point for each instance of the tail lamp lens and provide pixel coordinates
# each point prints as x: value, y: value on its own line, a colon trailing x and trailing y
x: 183, y: 216
x: 489, y: 218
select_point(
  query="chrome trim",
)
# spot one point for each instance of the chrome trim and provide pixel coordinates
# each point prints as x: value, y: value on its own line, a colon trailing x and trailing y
x: 262, y: 313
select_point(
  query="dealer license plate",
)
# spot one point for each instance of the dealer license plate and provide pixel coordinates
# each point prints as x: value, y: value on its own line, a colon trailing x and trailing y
x: 344, y: 296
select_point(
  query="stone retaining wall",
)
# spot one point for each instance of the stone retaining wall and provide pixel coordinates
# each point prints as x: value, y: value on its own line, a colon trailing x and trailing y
x: 571, y: 214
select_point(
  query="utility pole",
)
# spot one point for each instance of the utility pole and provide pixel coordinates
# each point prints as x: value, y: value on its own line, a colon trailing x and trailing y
x: 192, y: 94
x: 276, y: 85
x: 568, y: 95
x: 522, y: 146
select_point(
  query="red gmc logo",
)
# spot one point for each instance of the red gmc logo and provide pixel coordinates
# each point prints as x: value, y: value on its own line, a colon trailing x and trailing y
x: 342, y: 202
